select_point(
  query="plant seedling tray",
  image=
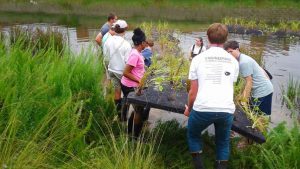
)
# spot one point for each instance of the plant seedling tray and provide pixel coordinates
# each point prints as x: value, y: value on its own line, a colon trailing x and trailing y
x: 175, y: 101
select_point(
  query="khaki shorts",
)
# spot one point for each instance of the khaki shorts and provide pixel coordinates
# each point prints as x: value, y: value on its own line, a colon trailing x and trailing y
x: 115, y: 79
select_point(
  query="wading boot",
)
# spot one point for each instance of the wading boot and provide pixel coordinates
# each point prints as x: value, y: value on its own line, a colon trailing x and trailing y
x: 197, y: 161
x: 221, y: 164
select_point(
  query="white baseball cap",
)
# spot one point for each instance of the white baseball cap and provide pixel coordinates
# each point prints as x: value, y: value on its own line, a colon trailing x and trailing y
x: 121, y: 23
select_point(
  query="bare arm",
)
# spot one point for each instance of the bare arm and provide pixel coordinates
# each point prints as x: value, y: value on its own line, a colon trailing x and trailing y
x: 192, y: 97
x: 127, y: 73
x: 98, y: 38
x: 247, y: 89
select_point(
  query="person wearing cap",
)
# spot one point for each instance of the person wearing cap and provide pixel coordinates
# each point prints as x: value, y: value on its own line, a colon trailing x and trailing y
x: 258, y: 89
x: 117, y: 49
x: 131, y: 81
x: 210, y: 100
x: 197, y: 48
x: 111, y: 18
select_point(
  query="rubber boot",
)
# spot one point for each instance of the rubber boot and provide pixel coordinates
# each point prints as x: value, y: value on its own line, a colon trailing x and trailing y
x: 119, y: 107
x: 118, y: 104
x: 137, y: 129
x: 197, y: 161
x: 221, y: 164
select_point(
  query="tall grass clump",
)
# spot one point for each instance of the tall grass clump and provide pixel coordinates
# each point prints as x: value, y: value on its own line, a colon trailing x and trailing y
x: 53, y: 113
x: 291, y: 97
x: 49, y: 106
x: 282, y: 150
x: 38, y: 38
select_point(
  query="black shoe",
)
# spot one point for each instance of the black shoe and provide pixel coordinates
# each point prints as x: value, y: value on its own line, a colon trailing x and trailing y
x: 197, y: 161
x: 221, y: 164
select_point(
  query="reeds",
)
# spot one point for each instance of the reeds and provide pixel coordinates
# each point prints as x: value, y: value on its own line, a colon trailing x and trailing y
x: 53, y: 113
x: 38, y: 38
x: 291, y: 97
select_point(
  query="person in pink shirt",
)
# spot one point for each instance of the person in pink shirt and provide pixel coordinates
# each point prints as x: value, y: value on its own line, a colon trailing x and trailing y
x: 132, y: 75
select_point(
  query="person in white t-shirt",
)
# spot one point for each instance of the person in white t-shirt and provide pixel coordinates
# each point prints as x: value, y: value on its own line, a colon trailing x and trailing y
x: 197, y: 48
x: 212, y: 75
x: 117, y: 49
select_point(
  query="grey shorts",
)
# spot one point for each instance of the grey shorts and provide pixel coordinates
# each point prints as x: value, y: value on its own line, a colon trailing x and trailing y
x: 115, y: 79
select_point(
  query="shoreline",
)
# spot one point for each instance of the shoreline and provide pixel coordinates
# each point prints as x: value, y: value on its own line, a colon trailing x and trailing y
x: 175, y: 13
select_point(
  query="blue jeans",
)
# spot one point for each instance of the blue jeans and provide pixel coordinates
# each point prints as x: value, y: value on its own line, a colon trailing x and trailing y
x: 263, y: 103
x: 198, y: 121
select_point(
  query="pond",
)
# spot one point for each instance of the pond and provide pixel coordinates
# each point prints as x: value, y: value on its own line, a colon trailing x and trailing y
x: 281, y: 55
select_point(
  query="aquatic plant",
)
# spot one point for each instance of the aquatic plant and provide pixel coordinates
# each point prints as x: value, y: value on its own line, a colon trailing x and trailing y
x: 262, y: 25
x: 169, y: 67
x: 38, y: 38
x: 295, y: 25
x: 291, y: 97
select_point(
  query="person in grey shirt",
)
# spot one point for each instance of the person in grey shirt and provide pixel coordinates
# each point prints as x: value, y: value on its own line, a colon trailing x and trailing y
x: 111, y: 18
x: 257, y: 84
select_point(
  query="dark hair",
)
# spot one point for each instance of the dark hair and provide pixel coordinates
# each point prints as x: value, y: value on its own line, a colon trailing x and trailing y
x: 138, y: 36
x: 231, y: 44
x: 217, y: 33
x: 111, y: 16
x: 201, y: 40
x: 118, y: 29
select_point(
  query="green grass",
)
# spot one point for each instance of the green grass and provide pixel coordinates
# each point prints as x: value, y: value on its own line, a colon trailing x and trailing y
x: 53, y: 113
x: 281, y: 150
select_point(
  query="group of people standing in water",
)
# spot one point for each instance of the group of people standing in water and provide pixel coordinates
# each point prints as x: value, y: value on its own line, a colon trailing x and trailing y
x: 213, y: 72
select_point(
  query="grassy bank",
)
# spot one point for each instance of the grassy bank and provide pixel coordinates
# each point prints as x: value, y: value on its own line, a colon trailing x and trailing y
x: 190, y: 10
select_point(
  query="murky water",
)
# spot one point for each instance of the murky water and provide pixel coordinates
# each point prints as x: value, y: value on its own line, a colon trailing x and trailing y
x: 281, y: 56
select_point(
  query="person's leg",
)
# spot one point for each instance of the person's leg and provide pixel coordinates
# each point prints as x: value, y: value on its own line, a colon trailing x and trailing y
x: 197, y: 122
x: 117, y: 88
x: 135, y: 122
x: 266, y: 104
x: 125, y: 107
x: 117, y: 85
x: 223, y: 123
